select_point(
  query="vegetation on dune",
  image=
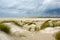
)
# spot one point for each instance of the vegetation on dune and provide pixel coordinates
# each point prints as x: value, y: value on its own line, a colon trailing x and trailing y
x: 29, y: 23
x: 37, y: 29
x: 56, y: 23
x: 15, y: 22
x: 57, y: 36
x: 45, y: 24
x: 4, y: 28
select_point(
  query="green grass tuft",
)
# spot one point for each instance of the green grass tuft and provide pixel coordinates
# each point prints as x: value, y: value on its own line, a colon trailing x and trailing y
x: 57, y: 36
x: 56, y: 23
x: 15, y: 22
x: 45, y: 24
x: 4, y: 28
x: 30, y: 23
x: 37, y: 29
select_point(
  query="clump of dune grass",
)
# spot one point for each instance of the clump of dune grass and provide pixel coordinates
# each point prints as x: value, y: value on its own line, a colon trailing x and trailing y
x: 57, y: 36
x: 45, y: 24
x: 30, y: 23
x: 4, y: 28
x: 56, y: 23
x: 15, y: 22
x: 26, y: 23
x: 36, y: 28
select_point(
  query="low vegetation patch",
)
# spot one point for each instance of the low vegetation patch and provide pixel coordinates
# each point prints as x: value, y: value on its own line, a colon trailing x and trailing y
x: 37, y: 29
x: 57, y: 36
x: 4, y: 28
x: 45, y: 24
x: 56, y: 23
x: 15, y: 22
x: 29, y: 23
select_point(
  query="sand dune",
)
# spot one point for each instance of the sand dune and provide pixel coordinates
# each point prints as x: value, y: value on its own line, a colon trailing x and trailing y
x: 17, y: 32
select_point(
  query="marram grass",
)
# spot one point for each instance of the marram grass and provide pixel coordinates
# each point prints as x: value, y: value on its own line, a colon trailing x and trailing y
x: 45, y: 24
x: 36, y: 28
x: 15, y: 22
x: 56, y: 23
x: 4, y: 28
x: 57, y: 36
x: 29, y: 23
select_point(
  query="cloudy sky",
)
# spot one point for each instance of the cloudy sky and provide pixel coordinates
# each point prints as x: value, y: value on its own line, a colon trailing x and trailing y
x: 29, y: 8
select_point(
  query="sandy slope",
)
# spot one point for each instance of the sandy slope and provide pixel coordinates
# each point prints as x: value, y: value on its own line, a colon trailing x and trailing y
x: 36, y: 36
x: 29, y: 35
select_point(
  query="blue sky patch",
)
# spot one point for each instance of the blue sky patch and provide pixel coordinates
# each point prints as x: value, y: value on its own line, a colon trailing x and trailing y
x: 29, y: 8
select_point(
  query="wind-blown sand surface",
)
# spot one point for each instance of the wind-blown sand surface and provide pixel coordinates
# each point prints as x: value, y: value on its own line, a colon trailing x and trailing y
x: 39, y: 35
x: 36, y: 36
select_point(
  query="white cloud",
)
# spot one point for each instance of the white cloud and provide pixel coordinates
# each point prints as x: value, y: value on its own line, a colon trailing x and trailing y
x: 27, y: 7
x: 50, y: 4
